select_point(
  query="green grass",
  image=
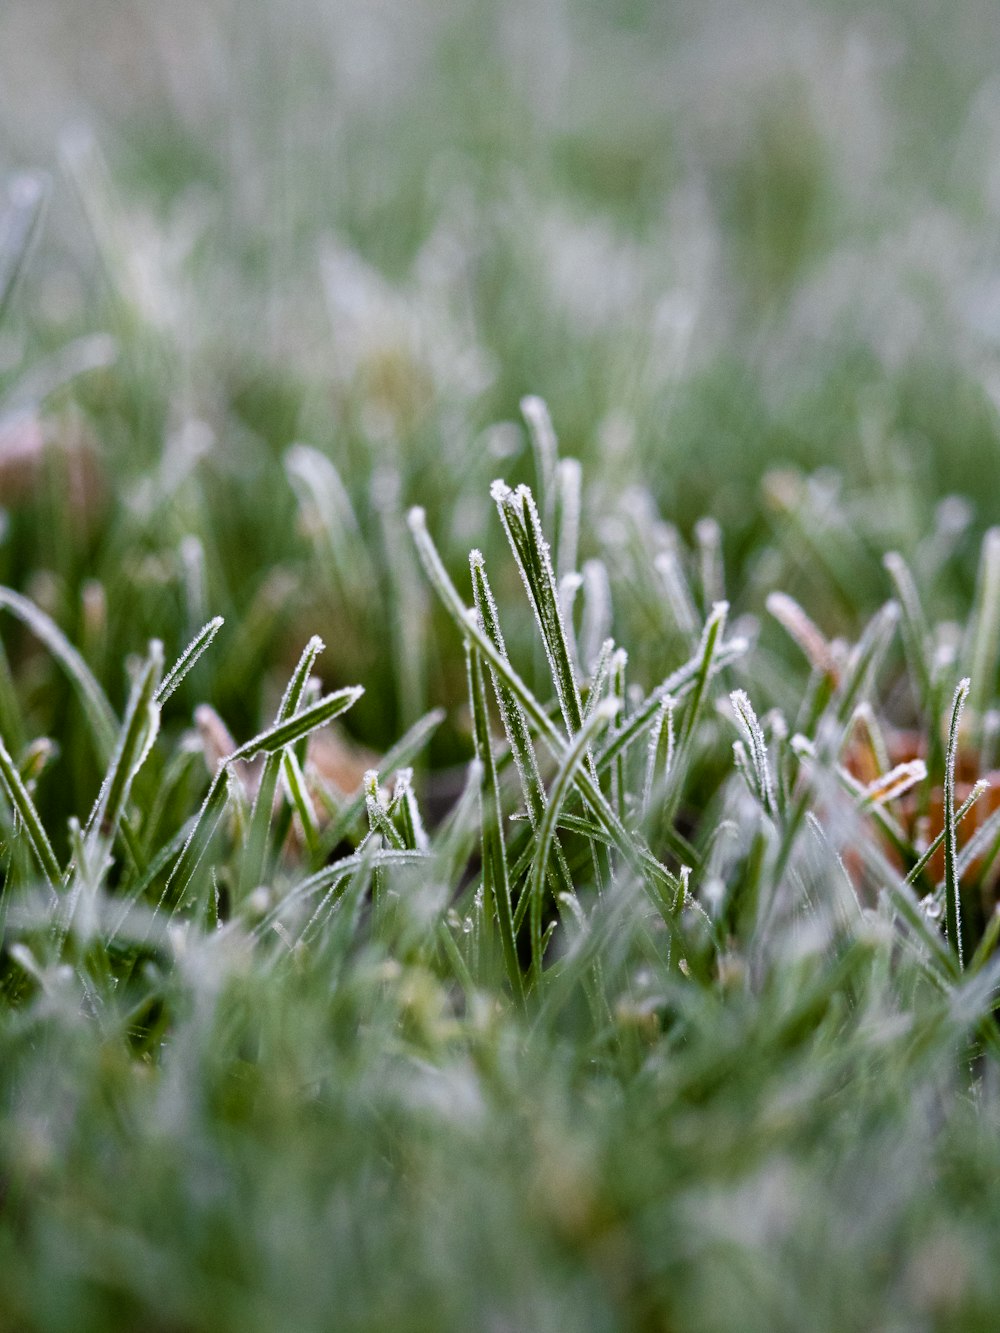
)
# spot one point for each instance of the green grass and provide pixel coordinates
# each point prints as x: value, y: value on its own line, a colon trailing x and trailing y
x: 641, y: 972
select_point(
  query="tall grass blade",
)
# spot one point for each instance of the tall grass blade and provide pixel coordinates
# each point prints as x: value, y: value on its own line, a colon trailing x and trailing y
x: 174, y: 678
x: 982, y: 644
x: 496, y: 873
x: 19, y: 225
x: 255, y: 856
x: 25, y: 811
x: 560, y: 788
x: 97, y: 710
x: 952, y: 901
x: 138, y: 732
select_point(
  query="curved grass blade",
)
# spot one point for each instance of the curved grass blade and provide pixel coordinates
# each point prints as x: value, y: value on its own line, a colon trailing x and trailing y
x: 99, y: 713
x: 255, y: 857
x: 575, y: 756
x: 310, y: 719
x: 19, y: 226
x: 175, y: 676
x: 24, y: 807
x: 496, y: 874
x: 952, y: 901
x: 138, y: 732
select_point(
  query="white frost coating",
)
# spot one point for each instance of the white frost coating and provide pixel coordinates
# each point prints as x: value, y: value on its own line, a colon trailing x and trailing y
x: 187, y: 659
x: 751, y: 728
x: 980, y: 651
x: 511, y: 714
x: 897, y: 781
x: 519, y: 515
x: 664, y: 719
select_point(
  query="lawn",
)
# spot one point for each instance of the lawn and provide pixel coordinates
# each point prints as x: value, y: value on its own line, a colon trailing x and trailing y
x: 499, y: 666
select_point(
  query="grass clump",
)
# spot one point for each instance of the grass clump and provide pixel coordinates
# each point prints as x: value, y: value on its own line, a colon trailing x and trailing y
x: 660, y: 1011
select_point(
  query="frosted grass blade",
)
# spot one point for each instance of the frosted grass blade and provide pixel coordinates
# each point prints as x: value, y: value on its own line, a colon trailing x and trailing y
x: 24, y: 807
x: 188, y: 658
x: 561, y: 785
x: 255, y: 856
x: 952, y: 901
x: 496, y: 874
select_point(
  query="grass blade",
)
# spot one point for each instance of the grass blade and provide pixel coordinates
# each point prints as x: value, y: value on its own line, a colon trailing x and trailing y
x: 175, y: 676
x: 24, y: 807
x: 952, y: 901
x: 19, y: 226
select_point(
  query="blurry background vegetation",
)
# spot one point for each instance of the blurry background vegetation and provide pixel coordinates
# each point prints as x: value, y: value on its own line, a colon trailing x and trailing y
x: 720, y: 239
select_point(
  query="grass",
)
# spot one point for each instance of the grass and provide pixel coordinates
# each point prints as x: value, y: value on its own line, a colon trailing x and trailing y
x: 498, y: 688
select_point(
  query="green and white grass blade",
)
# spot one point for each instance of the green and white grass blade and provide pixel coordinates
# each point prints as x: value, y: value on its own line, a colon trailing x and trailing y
x: 545, y: 448
x: 595, y: 622
x: 760, y: 764
x: 196, y: 844
x: 512, y: 717
x: 378, y: 814
x: 616, y: 672
x: 708, y: 536
x: 99, y: 713
x: 560, y: 788
x: 981, y: 649
x: 952, y: 900
x: 569, y: 480
x: 511, y: 713
x: 677, y: 591
x: 317, y: 715
x: 914, y: 629
x: 138, y: 733
x: 297, y: 791
x: 407, y: 598
x: 187, y: 660
x: 405, y: 810
x: 25, y: 811
x: 707, y: 667
x: 19, y: 225
x: 496, y: 875
x: 369, y: 857
x: 599, y: 677
x: 255, y: 856
x: 522, y: 525
x: 940, y: 840
x: 802, y: 631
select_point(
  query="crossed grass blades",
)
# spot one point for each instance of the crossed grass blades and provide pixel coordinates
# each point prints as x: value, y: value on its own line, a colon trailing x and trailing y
x: 572, y: 829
